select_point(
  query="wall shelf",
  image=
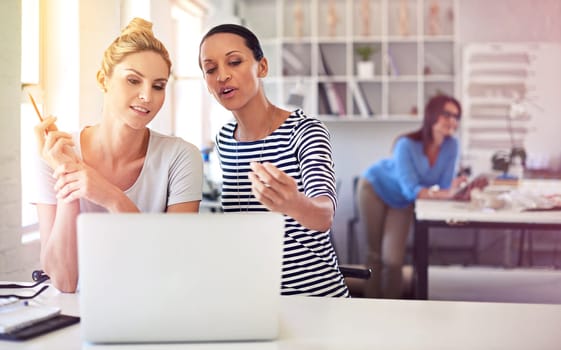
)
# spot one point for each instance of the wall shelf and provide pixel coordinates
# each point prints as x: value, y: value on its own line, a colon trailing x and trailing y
x: 317, y: 60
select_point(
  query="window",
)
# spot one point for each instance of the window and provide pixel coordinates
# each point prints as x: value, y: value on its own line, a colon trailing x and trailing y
x: 30, y: 78
x: 187, y: 91
x: 197, y: 115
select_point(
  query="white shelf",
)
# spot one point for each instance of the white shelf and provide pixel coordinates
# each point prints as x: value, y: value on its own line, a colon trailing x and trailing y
x: 409, y: 69
x: 438, y: 39
x: 402, y: 39
x: 381, y: 119
x: 439, y: 78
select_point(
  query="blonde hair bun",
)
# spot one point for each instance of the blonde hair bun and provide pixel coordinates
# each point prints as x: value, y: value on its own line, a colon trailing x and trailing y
x: 137, y: 36
x: 136, y: 25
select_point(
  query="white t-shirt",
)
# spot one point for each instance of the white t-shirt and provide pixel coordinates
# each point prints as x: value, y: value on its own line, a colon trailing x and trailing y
x: 172, y: 173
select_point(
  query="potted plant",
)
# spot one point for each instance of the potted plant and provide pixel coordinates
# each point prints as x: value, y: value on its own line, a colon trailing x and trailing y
x: 365, y: 65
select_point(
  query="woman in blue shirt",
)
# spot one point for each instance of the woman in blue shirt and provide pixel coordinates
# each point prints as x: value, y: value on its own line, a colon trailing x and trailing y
x: 422, y: 166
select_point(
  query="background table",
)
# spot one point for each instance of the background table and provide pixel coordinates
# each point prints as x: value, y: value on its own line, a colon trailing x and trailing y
x: 452, y: 214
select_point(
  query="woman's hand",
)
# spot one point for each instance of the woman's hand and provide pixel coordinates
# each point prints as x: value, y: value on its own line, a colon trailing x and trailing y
x: 273, y: 188
x: 459, y: 183
x: 77, y: 180
x: 279, y: 192
x: 55, y: 147
x: 435, y: 192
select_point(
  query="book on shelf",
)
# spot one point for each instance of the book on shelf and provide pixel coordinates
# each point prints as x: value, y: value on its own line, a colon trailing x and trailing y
x: 323, y: 103
x: 292, y: 63
x: 323, y: 66
x: 437, y: 63
x: 334, y: 99
x: 392, y: 66
x: 361, y: 100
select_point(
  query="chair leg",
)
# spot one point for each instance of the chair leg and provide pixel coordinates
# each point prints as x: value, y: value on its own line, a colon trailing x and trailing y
x: 555, y: 254
x: 530, y: 248
x: 475, y: 251
x: 521, y: 246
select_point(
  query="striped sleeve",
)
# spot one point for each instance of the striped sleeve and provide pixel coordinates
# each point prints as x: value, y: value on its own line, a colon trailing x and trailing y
x: 314, y: 154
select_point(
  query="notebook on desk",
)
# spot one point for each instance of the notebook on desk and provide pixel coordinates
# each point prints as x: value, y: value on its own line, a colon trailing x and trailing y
x: 179, y: 277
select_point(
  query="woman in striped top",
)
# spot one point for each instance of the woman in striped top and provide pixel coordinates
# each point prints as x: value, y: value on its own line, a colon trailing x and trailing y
x: 273, y: 160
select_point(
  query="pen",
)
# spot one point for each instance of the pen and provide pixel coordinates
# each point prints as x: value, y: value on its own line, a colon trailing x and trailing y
x: 52, y: 127
x: 35, y: 106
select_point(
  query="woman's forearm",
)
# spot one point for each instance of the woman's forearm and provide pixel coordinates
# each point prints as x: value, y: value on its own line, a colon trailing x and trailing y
x: 313, y: 213
x: 59, y: 257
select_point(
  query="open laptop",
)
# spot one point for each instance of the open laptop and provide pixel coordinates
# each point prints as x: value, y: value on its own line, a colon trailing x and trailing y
x: 179, y: 277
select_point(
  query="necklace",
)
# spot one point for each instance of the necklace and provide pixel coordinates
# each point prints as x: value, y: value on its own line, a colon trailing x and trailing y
x: 249, y: 160
x: 238, y: 166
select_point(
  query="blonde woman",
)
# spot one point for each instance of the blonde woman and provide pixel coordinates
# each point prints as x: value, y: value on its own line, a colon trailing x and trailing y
x: 118, y: 165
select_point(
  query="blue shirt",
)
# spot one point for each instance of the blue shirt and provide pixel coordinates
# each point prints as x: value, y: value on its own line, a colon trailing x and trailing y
x: 399, y: 179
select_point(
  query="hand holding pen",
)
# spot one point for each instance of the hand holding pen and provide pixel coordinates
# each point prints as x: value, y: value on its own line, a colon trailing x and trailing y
x: 54, y: 146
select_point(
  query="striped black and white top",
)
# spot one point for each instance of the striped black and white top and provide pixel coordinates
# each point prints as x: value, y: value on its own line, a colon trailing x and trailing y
x: 301, y: 148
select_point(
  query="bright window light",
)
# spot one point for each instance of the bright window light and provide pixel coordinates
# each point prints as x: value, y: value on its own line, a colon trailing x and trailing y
x: 30, y: 42
x: 30, y: 79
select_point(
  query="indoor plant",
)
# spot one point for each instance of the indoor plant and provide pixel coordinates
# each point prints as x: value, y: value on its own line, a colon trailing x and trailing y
x: 365, y: 65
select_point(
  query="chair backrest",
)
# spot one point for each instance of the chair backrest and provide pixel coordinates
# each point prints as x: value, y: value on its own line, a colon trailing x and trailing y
x: 355, y: 202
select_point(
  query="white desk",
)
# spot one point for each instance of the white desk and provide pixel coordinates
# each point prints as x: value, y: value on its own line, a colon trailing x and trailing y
x: 436, y: 213
x: 353, y: 324
x: 210, y: 205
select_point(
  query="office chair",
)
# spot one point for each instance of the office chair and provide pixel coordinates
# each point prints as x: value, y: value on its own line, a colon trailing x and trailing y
x: 354, y: 275
x: 352, y: 244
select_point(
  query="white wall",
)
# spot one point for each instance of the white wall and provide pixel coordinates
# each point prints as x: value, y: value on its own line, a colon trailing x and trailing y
x: 99, y: 24
x: 11, y: 250
x: 510, y: 20
x: 357, y: 145
x: 163, y: 29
